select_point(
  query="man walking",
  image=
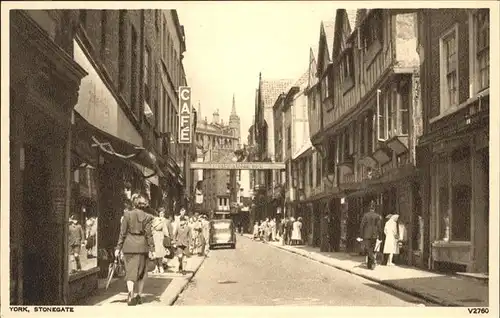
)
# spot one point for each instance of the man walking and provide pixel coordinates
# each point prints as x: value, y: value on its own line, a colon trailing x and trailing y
x: 370, y: 231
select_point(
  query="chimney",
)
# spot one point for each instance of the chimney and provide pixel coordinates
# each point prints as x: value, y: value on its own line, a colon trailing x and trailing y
x: 215, y: 119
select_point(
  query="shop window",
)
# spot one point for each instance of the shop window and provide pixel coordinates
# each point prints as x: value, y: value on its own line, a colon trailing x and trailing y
x: 461, y: 194
x: 82, y: 225
x: 454, y: 194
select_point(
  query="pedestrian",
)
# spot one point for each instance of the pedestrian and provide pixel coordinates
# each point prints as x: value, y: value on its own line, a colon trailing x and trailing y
x: 273, y: 230
x: 182, y: 241
x: 370, y: 231
x: 160, y: 231
x: 297, y: 232
x: 289, y: 230
x: 391, y: 245
x: 76, y: 240
x: 256, y: 230
x: 198, y: 241
x: 91, y: 237
x: 136, y: 242
x: 205, y: 230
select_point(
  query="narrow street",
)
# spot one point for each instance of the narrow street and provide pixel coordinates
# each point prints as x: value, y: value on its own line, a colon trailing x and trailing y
x: 258, y: 274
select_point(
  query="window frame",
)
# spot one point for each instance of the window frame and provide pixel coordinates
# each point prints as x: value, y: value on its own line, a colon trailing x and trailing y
x: 444, y: 103
x: 319, y: 170
x: 475, y: 86
x: 389, y: 121
x: 445, y: 159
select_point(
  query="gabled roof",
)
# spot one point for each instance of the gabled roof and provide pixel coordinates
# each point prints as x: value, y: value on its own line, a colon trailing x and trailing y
x: 302, y: 81
x: 360, y: 15
x: 271, y: 89
x: 327, y: 29
x: 313, y: 79
x: 351, y: 16
x: 344, y: 27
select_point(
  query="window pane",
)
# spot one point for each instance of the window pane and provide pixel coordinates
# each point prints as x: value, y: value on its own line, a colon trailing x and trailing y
x: 443, y: 201
x: 452, y: 88
x: 461, y: 185
x: 404, y: 113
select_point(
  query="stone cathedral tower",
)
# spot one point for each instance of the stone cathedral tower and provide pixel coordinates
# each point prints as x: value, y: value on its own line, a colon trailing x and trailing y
x: 234, y: 122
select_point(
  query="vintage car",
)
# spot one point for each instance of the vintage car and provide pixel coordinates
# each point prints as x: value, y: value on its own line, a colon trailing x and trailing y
x: 222, y: 233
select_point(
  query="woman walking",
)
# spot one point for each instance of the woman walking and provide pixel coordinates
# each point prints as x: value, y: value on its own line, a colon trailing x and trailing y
x: 160, y: 231
x: 297, y: 232
x: 135, y: 242
x: 391, y: 244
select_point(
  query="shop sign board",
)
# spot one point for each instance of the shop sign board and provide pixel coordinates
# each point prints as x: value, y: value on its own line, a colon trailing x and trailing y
x: 238, y: 165
x: 185, y: 115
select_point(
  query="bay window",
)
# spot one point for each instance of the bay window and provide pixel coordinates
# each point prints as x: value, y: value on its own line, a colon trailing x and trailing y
x: 449, y: 69
x: 404, y: 114
x: 453, y: 182
x: 393, y: 118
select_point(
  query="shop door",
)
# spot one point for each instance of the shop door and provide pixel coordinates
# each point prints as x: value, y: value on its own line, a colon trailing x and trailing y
x: 38, y: 283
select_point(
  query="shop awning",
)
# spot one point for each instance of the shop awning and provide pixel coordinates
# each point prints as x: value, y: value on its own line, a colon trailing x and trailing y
x: 114, y: 146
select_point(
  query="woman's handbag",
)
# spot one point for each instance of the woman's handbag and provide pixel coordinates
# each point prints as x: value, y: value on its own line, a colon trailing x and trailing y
x: 120, y: 268
x: 169, y: 252
x: 167, y: 241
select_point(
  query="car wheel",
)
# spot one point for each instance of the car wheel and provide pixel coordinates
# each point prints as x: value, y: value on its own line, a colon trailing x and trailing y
x: 233, y: 246
x: 211, y: 247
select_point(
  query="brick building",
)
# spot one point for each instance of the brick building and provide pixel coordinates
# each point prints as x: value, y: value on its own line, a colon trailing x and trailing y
x: 117, y: 74
x: 454, y: 52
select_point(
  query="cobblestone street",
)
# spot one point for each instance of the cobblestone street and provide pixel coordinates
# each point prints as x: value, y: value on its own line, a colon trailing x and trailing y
x: 259, y: 274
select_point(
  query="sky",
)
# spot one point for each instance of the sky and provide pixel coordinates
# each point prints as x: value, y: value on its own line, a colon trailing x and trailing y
x: 229, y: 43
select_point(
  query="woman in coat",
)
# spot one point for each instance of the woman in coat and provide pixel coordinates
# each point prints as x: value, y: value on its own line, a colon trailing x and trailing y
x: 136, y: 242
x: 297, y: 232
x: 391, y: 244
x: 160, y: 231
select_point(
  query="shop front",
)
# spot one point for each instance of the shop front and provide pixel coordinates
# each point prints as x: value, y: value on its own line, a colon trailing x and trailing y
x: 457, y: 176
x: 44, y: 84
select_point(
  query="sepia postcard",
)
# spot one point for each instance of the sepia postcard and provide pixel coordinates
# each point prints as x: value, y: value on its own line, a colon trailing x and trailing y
x: 243, y: 158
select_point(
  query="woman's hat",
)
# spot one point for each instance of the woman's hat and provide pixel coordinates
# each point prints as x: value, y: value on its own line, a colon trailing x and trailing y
x: 388, y: 216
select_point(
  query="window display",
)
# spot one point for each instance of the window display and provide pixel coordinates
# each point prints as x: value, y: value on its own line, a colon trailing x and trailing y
x: 83, y: 220
x: 454, y: 194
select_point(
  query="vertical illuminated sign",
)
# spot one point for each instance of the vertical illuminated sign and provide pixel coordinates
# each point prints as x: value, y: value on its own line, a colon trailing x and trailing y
x: 185, y: 115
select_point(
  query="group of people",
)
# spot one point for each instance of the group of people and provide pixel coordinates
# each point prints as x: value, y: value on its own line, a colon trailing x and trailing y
x: 289, y: 230
x: 146, y: 234
x: 387, y: 239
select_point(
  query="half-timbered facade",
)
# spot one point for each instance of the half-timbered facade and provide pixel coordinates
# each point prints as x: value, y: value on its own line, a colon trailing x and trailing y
x: 454, y: 50
x: 320, y: 97
x: 370, y: 128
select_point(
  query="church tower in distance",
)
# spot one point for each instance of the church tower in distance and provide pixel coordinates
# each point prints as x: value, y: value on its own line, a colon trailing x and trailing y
x: 234, y: 122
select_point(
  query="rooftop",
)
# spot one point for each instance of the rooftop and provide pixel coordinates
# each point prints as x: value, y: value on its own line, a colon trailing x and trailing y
x: 270, y: 90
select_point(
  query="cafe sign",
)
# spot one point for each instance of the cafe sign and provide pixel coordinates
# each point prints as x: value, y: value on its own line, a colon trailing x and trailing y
x: 185, y: 118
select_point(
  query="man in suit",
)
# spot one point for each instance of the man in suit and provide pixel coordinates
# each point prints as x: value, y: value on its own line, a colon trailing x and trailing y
x: 370, y: 231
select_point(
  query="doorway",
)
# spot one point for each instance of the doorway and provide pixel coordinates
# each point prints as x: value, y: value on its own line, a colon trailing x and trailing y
x: 38, y: 286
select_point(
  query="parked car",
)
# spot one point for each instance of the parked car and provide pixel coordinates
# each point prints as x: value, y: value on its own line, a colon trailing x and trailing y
x: 222, y: 233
